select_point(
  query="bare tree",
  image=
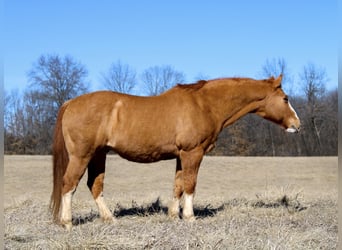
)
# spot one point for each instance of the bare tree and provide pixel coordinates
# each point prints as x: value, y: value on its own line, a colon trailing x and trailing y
x: 313, y: 80
x: 120, y: 77
x: 158, y: 79
x: 58, y: 79
x: 54, y: 80
x: 329, y: 130
x: 14, y: 122
x: 276, y: 66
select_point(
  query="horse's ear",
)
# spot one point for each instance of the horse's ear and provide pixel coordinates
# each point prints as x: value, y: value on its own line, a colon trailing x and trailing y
x: 277, y: 81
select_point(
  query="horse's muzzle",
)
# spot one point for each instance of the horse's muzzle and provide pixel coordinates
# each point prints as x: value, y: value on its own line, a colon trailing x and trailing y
x: 293, y: 129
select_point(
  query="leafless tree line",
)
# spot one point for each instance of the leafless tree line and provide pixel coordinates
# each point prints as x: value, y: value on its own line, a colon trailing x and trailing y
x: 29, y: 117
x: 122, y: 78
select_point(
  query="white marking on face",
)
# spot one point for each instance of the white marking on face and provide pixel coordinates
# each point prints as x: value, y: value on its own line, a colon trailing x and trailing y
x: 293, y: 111
x: 188, y: 206
x: 292, y: 128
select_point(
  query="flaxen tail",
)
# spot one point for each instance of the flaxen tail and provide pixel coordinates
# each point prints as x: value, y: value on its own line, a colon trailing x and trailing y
x: 60, y: 163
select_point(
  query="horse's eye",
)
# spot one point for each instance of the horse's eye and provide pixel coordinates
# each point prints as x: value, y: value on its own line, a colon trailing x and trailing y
x: 286, y: 99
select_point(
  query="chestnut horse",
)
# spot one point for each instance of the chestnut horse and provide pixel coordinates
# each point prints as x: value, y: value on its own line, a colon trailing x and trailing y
x: 182, y: 123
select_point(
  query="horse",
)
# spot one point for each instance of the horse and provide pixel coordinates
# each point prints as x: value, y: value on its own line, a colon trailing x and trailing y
x: 182, y: 123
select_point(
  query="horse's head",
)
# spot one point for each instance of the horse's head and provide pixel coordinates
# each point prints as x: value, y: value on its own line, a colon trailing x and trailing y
x: 277, y: 108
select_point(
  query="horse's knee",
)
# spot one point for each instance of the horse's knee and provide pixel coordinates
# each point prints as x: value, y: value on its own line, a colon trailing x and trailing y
x: 190, y: 184
x: 190, y: 165
x: 73, y: 174
x: 69, y: 184
x: 178, y: 190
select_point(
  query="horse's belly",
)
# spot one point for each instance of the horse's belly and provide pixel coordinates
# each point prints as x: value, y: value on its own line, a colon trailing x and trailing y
x: 145, y: 153
x: 141, y: 141
x: 147, y: 158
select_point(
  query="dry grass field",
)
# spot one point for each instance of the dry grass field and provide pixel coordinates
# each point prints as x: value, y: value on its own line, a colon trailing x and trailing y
x: 240, y: 203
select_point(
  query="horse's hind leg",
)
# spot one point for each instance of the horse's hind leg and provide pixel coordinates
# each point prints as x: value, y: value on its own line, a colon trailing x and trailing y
x: 178, y: 190
x: 74, y: 172
x: 96, y: 173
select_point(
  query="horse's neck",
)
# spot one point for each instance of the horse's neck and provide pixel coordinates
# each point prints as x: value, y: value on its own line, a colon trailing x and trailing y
x: 232, y: 101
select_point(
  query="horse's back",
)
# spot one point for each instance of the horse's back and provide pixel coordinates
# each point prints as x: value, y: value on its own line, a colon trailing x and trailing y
x: 127, y: 124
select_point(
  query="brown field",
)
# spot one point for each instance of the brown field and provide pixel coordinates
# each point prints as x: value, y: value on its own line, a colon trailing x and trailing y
x: 240, y: 203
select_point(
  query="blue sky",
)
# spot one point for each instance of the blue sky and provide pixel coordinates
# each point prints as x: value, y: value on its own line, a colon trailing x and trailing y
x: 212, y: 38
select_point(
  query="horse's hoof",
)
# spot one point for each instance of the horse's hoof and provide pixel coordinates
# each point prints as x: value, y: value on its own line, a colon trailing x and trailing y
x: 189, y: 218
x: 67, y: 226
x: 173, y: 216
x: 109, y: 220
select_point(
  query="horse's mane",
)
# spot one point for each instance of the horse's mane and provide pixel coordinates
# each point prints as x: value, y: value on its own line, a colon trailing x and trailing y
x: 201, y: 83
x: 192, y: 86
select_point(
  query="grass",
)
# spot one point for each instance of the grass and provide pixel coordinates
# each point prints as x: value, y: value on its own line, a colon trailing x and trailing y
x: 263, y: 223
x: 241, y: 203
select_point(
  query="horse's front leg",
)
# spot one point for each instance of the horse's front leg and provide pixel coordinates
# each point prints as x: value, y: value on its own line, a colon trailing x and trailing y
x: 178, y: 190
x: 190, y: 161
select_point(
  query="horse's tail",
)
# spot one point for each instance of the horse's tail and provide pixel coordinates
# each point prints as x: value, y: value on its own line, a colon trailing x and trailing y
x: 60, y: 161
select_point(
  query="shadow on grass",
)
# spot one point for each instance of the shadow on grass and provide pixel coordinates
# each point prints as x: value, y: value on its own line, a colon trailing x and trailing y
x: 83, y: 219
x: 143, y: 210
x: 292, y: 204
x: 150, y: 209
x: 156, y: 207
